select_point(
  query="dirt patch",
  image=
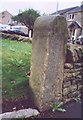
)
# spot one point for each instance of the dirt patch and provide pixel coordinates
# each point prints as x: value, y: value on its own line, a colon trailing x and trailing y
x: 10, y: 105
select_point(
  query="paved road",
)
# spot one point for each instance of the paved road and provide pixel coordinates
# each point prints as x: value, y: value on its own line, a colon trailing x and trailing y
x: 73, y: 110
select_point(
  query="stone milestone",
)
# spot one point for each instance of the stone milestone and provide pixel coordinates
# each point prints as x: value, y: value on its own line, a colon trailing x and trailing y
x: 48, y: 57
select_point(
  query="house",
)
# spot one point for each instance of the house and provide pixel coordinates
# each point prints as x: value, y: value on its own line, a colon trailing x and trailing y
x: 64, y: 11
x: 6, y: 22
x: 6, y: 17
x: 74, y: 18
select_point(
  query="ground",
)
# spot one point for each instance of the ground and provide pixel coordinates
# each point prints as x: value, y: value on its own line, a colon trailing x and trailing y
x: 16, y: 95
x: 73, y: 109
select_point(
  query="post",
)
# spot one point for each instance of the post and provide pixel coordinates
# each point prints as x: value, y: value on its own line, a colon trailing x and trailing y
x: 48, y: 55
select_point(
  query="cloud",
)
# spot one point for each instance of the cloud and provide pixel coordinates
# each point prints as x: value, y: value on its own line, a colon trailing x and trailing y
x: 44, y: 6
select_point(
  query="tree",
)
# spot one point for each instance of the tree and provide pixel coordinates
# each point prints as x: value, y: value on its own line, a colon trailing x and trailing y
x: 27, y: 18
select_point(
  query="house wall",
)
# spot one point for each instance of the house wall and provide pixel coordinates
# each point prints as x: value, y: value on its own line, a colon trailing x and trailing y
x: 76, y: 34
x: 0, y: 18
x: 77, y: 17
x: 82, y: 19
x: 6, y: 17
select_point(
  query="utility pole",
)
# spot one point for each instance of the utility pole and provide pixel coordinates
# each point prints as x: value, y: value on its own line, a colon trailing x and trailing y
x: 57, y: 7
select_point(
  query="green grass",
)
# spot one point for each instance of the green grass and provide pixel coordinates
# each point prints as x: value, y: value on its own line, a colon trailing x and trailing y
x: 16, y: 58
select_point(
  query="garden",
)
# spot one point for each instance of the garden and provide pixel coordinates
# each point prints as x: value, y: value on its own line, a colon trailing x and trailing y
x: 16, y: 57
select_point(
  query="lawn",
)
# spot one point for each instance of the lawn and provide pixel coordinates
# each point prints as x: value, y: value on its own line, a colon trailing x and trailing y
x: 16, y: 57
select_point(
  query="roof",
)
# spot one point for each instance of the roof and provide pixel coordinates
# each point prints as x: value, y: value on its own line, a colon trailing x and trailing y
x: 7, y: 12
x: 78, y: 9
x: 74, y: 23
x: 61, y: 12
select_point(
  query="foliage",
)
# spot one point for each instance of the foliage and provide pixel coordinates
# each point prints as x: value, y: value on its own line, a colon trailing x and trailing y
x: 77, y: 99
x: 27, y: 17
x: 16, y: 63
x: 57, y: 107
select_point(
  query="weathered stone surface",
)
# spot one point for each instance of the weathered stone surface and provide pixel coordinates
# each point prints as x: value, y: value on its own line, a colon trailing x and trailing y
x: 66, y: 84
x: 48, y: 56
x: 76, y: 80
x: 68, y: 66
x: 25, y: 113
x: 74, y: 94
x: 74, y: 53
x: 66, y: 91
x: 68, y: 75
x: 69, y: 89
x: 67, y: 100
x: 80, y: 87
x: 73, y: 88
x: 73, y: 73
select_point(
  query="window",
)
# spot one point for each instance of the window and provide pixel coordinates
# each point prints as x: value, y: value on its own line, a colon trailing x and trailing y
x: 71, y: 16
x: 3, y: 13
x: 3, y: 16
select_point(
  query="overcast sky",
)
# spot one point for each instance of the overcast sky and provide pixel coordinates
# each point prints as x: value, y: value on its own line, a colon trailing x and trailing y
x: 43, y: 6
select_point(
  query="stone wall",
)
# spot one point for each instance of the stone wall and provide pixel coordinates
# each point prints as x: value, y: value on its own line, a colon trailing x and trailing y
x: 73, y: 73
x: 15, y: 37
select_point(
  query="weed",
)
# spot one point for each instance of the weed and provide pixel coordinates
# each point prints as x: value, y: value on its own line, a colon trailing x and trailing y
x: 77, y: 99
x: 12, y: 50
x: 17, y: 62
x: 57, y: 107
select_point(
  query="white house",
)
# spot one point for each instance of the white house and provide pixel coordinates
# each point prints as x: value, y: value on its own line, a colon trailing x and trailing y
x: 6, y: 17
x: 74, y: 17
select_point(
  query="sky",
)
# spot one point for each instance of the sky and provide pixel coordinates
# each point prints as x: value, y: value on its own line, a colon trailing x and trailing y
x: 43, y: 6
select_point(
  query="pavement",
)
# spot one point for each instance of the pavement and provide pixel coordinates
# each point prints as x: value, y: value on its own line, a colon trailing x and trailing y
x: 73, y: 110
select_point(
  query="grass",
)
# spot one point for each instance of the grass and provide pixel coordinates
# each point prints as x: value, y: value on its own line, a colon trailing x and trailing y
x: 16, y: 58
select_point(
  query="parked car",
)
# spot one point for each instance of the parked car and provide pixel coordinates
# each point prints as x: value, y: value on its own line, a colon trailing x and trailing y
x: 80, y: 40
x: 14, y: 30
x: 4, y: 27
x: 18, y: 30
